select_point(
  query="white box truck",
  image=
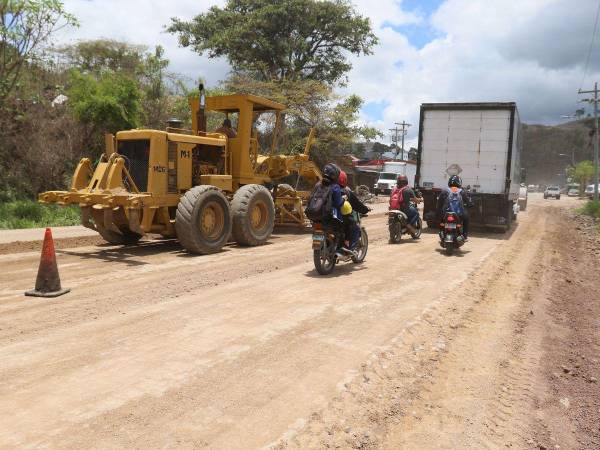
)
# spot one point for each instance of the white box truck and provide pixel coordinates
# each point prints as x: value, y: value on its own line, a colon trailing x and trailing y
x: 480, y: 142
x: 388, y: 176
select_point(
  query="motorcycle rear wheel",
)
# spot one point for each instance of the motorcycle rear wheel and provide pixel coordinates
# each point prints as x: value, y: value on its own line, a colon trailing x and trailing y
x: 449, y: 248
x: 324, y: 259
x: 395, y: 232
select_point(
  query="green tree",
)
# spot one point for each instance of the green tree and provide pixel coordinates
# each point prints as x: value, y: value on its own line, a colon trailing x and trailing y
x: 106, y: 104
x: 101, y: 55
x: 25, y: 25
x: 582, y: 173
x: 311, y: 104
x: 281, y: 39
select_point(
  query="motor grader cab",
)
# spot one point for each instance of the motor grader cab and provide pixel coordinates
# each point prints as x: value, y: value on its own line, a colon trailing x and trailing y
x: 200, y: 186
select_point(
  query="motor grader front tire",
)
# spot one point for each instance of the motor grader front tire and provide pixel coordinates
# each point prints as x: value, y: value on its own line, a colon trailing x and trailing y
x: 253, y: 214
x: 203, y: 220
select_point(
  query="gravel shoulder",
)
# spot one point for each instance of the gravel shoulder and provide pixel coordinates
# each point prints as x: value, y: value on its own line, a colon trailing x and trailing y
x: 250, y: 348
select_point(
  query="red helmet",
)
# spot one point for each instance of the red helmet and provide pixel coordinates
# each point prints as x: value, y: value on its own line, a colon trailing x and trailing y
x: 343, y: 179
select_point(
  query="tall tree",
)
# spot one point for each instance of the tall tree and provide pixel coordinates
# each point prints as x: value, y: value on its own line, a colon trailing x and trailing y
x: 99, y: 55
x: 25, y: 25
x: 582, y: 173
x: 275, y: 40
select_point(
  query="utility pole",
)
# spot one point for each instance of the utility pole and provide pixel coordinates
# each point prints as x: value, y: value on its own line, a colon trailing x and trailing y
x: 596, y: 137
x: 395, y: 132
x: 403, y: 131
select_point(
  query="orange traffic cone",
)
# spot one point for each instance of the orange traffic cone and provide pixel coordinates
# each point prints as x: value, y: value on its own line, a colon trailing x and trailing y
x: 47, y: 283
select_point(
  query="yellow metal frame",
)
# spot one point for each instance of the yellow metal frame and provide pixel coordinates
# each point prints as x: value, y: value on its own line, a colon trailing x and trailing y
x: 108, y: 193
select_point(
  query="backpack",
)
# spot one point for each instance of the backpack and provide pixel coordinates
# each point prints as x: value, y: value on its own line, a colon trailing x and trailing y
x: 454, y: 202
x: 397, y: 198
x: 320, y: 204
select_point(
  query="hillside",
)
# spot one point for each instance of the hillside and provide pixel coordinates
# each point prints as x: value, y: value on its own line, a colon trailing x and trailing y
x: 542, y: 146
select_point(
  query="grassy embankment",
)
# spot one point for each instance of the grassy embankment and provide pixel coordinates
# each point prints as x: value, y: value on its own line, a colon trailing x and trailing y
x: 592, y: 209
x: 30, y: 214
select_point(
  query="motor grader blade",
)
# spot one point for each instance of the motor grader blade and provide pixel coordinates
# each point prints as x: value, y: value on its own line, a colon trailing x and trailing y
x: 111, y: 203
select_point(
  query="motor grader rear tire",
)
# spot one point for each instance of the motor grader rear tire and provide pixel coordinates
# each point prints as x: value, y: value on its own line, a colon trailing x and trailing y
x: 126, y: 237
x: 285, y: 189
x: 253, y: 214
x: 203, y: 220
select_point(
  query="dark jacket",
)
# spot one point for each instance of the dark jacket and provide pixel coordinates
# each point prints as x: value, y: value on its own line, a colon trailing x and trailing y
x: 441, y: 201
x: 356, y: 204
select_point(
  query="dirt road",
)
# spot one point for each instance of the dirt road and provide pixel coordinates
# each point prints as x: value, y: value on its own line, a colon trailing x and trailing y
x: 250, y: 348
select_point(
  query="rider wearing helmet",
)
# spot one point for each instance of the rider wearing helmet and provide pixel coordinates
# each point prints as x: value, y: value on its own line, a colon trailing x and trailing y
x: 454, y: 185
x: 351, y: 203
x: 407, y: 195
x: 331, y: 174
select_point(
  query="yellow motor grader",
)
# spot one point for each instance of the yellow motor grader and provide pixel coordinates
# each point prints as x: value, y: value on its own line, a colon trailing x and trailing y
x: 202, y: 187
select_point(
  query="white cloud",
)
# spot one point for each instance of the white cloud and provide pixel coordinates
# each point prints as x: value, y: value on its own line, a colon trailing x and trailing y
x: 530, y: 51
x: 143, y: 22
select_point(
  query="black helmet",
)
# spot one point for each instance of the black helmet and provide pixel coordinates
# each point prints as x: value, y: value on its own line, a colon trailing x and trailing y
x: 455, y: 181
x: 331, y: 172
x: 402, y: 180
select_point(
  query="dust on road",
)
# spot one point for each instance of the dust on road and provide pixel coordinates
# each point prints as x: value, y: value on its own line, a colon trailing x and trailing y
x: 250, y: 348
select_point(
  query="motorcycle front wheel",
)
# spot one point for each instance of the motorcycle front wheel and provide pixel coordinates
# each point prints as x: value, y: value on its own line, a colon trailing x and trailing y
x: 395, y: 232
x: 363, y: 246
x: 419, y: 228
x: 449, y: 248
x: 324, y: 258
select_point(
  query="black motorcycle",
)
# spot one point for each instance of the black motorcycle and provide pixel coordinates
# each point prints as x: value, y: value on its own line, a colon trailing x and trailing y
x: 328, y: 245
x: 451, y: 233
x: 397, y: 221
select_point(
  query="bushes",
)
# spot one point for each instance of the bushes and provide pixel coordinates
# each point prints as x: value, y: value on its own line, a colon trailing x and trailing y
x: 591, y: 208
x: 30, y: 214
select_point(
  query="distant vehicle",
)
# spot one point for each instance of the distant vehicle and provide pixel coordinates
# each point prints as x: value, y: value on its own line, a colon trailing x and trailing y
x: 533, y: 188
x: 480, y: 143
x: 573, y: 192
x: 589, y: 191
x: 552, y: 191
x: 522, y: 198
x: 389, y: 174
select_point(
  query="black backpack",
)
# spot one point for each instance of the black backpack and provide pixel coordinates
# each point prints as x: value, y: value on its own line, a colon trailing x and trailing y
x: 319, y: 206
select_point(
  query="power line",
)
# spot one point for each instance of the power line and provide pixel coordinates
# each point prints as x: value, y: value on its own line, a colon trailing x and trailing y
x: 587, y: 61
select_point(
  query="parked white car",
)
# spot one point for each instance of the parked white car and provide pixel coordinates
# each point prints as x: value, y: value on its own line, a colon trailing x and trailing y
x: 589, y: 191
x: 552, y: 191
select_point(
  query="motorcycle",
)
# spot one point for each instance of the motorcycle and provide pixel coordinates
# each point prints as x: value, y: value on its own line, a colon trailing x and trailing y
x: 328, y: 248
x: 397, y: 221
x: 451, y: 233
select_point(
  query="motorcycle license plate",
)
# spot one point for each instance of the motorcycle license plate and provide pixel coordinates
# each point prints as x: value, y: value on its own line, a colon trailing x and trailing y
x: 451, y: 226
x: 318, y: 240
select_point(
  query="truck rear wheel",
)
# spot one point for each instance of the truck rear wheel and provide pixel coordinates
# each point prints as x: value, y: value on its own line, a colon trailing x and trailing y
x: 253, y: 214
x: 203, y: 220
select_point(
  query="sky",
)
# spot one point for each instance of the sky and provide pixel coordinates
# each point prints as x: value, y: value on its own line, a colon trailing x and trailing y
x: 532, y: 52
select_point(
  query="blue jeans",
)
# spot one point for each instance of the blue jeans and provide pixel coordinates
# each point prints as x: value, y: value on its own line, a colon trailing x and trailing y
x: 413, y: 215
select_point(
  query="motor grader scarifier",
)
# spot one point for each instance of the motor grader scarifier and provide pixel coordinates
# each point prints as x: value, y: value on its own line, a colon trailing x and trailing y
x: 199, y: 186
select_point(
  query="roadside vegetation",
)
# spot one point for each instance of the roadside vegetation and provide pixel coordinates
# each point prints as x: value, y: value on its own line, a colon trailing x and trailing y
x: 57, y: 102
x: 592, y: 209
x: 30, y: 214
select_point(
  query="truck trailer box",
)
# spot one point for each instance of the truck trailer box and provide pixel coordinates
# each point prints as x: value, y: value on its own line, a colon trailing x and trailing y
x: 481, y: 143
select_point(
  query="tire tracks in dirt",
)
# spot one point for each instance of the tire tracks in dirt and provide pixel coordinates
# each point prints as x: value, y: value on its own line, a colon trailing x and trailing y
x: 457, y: 377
